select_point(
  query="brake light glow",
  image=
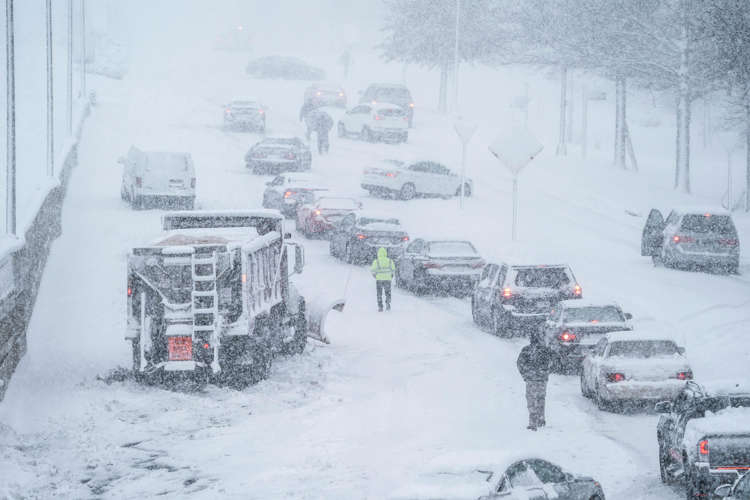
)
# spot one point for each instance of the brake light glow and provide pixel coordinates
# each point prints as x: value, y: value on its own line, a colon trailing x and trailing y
x: 206, y: 345
x: 703, y: 447
x: 688, y: 375
x: 682, y: 239
x: 130, y: 291
x: 405, y: 238
x: 730, y: 242
x: 615, y: 377
x: 228, y: 111
x: 411, y: 104
x: 180, y: 348
x: 378, y: 117
x: 261, y: 111
x: 391, y: 174
x: 361, y: 237
x: 316, y: 212
x: 507, y: 293
x: 577, y: 291
x: 287, y: 194
x: 138, y: 182
x: 567, y: 336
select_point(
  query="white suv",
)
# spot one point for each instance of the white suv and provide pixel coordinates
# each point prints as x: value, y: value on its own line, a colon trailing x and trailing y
x: 158, y: 176
x: 371, y: 122
x: 427, y: 178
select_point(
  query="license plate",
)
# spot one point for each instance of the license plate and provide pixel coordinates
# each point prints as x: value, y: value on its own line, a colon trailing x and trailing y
x: 180, y: 348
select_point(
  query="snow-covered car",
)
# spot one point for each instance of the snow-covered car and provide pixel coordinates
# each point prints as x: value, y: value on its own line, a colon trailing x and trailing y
x: 320, y: 216
x: 509, y: 479
x: 326, y: 94
x: 692, y: 238
x: 245, y: 113
x: 704, y: 436
x: 287, y: 191
x: 424, y: 178
x: 390, y: 92
x: 574, y: 327
x: 164, y: 178
x: 279, y: 154
x: 358, y: 235
x: 432, y: 265
x: 740, y: 490
x: 634, y: 367
x: 372, y: 122
x: 510, y: 298
x: 283, y: 68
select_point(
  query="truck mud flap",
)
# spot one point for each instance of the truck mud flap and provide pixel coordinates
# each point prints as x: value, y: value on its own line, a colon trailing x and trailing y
x: 317, y: 313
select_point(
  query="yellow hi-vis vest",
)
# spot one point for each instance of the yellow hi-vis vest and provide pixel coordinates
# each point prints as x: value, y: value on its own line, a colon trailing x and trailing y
x: 382, y: 267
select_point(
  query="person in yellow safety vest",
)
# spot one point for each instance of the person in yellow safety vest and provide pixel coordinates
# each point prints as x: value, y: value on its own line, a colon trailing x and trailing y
x: 382, y: 270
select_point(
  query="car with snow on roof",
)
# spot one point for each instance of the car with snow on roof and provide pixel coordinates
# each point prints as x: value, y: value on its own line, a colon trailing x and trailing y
x: 395, y: 93
x: 357, y: 237
x: 430, y: 266
x: 491, y: 476
x: 408, y: 180
x: 157, y: 177
x: 510, y: 298
x: 245, y: 113
x: 325, y: 94
x: 704, y: 436
x: 211, y: 298
x: 375, y: 122
x: 287, y: 191
x: 574, y: 326
x: 740, y: 490
x: 692, y: 238
x: 634, y: 367
x: 319, y: 216
x: 273, y: 155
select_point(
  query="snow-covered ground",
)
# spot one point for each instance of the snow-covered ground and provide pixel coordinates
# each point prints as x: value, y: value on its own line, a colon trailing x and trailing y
x: 368, y: 414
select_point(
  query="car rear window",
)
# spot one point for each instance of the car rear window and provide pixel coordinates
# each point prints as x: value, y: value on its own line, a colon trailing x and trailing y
x: 167, y: 162
x: 643, y: 348
x: 391, y: 112
x: 594, y: 314
x: 451, y: 249
x: 393, y: 94
x: 717, y: 403
x: 548, y: 277
x: 366, y: 220
x: 338, y: 203
x: 721, y: 224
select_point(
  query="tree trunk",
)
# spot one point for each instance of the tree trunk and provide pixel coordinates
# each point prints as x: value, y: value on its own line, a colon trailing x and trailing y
x: 443, y: 95
x: 747, y: 157
x: 620, y: 121
x: 562, y: 148
x: 682, y: 157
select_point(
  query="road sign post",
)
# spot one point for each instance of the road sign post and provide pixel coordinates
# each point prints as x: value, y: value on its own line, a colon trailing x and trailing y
x: 465, y: 131
x: 515, y: 149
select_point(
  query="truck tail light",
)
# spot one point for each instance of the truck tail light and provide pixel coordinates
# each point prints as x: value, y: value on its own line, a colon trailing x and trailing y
x: 615, y: 377
x: 180, y: 348
x: 703, y: 447
x: 567, y: 336
x: 507, y: 293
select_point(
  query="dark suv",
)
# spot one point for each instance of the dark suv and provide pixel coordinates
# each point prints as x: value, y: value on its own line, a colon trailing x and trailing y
x: 692, y: 239
x: 393, y: 93
x: 510, y: 298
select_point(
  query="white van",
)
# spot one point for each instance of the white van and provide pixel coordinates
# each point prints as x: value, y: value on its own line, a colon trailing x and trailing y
x: 161, y: 177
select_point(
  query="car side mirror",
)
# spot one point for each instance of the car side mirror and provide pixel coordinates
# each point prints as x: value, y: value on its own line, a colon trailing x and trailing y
x: 723, y: 491
x: 663, y: 407
x: 628, y: 316
x: 681, y: 350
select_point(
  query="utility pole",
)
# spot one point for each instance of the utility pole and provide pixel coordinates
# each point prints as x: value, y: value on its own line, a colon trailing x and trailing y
x: 455, y: 58
x: 50, y: 95
x: 10, y: 118
x: 70, y: 68
x: 83, y: 49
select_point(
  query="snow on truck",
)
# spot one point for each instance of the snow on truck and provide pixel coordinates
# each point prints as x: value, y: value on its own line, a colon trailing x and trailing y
x: 211, y: 298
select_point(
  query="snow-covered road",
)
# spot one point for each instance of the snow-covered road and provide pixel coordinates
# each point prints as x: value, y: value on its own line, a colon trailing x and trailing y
x: 367, y: 414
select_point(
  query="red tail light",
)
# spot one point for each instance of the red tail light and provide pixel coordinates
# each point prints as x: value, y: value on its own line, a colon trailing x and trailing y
x: 130, y: 291
x: 261, y: 111
x: 316, y: 212
x: 228, y: 111
x: 361, y: 237
x: 180, y: 348
x: 206, y: 345
x: 688, y: 375
x: 567, y: 336
x: 192, y: 183
x: 577, y: 291
x: 411, y: 104
x: 729, y: 242
x: 378, y: 117
x: 405, y: 238
x: 138, y: 182
x: 703, y: 447
x: 682, y: 239
x: 287, y: 194
x: 432, y: 265
x: 615, y: 377
x: 507, y: 293
x: 391, y: 174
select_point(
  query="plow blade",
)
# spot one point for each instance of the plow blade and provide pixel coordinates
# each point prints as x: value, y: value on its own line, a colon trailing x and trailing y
x: 317, y: 312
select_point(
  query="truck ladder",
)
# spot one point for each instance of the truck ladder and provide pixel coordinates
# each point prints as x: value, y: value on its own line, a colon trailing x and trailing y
x: 205, y: 302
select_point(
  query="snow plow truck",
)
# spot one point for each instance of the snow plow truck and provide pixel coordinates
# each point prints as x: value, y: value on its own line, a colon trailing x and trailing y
x: 211, y: 301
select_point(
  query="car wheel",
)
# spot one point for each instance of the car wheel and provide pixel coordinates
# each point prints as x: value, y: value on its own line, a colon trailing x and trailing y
x: 601, y: 403
x: 467, y: 191
x: 408, y: 191
x: 584, y: 391
x: 341, y: 130
x: 332, y: 249
x: 400, y: 283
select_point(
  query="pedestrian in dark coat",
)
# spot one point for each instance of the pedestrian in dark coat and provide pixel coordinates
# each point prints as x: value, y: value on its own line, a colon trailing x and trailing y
x: 323, y: 123
x: 534, y: 364
x: 304, y: 113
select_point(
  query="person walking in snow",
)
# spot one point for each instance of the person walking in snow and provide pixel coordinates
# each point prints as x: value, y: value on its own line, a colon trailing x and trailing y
x: 323, y: 126
x: 382, y: 270
x: 304, y: 115
x: 534, y: 366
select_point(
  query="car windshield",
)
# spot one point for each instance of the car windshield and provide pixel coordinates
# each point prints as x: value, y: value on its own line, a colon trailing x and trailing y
x: 451, y: 249
x: 594, y: 314
x: 338, y: 203
x: 244, y: 104
x: 643, y: 348
x: 393, y: 94
x: 391, y: 112
x: 718, y: 224
x: 273, y: 150
x: 717, y: 403
x: 537, y: 277
x: 366, y: 220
